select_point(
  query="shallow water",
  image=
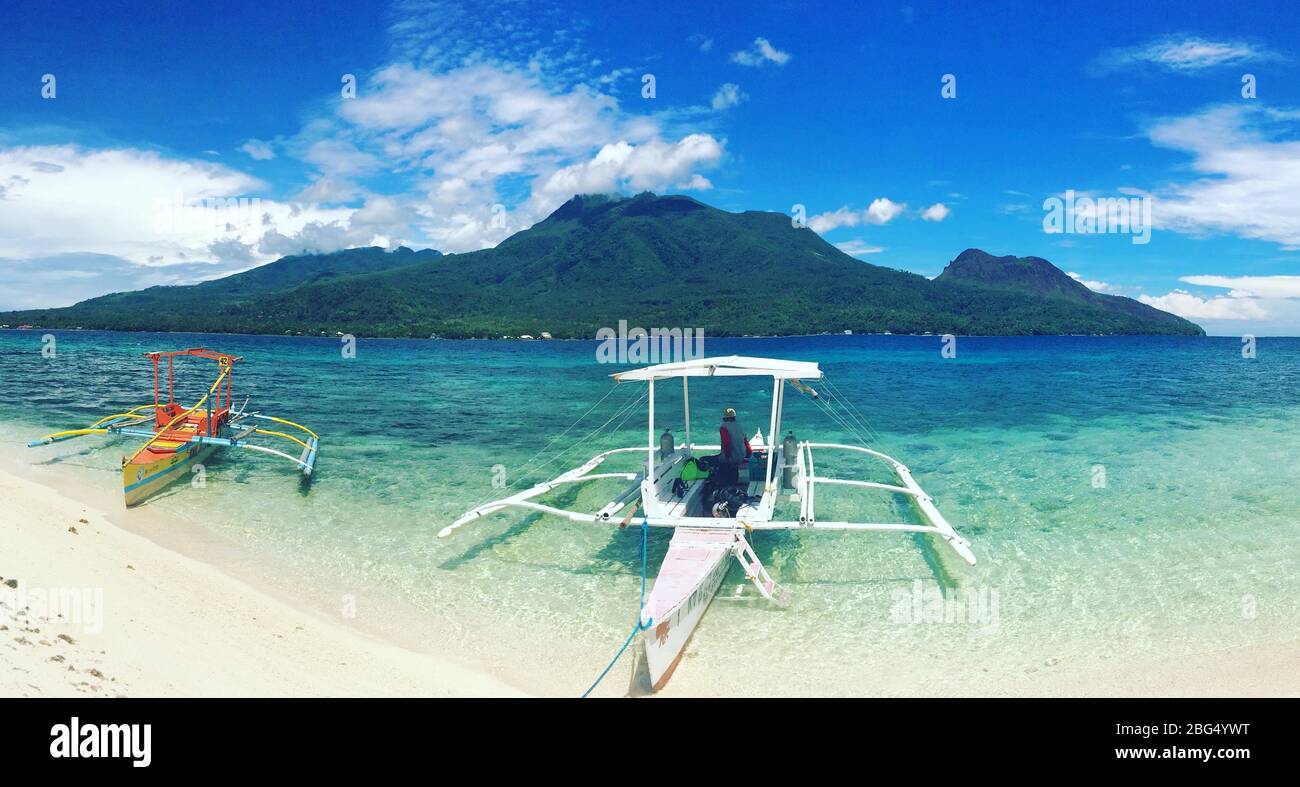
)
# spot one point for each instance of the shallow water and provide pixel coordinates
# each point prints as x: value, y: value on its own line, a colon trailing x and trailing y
x: 1128, y: 498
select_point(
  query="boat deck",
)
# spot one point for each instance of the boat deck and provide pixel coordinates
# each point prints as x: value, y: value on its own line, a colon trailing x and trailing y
x: 692, y: 553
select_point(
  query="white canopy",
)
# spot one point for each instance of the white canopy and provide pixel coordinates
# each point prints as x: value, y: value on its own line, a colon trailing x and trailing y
x: 726, y: 366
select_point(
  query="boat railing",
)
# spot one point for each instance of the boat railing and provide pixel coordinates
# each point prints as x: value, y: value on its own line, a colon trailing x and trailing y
x: 936, y: 523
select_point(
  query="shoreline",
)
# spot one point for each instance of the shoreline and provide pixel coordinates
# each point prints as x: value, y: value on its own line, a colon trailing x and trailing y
x: 177, y: 624
x: 193, y: 612
x: 37, y: 328
x: 90, y: 608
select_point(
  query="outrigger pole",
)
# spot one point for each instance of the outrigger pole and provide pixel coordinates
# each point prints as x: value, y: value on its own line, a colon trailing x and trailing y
x: 177, y: 438
x: 696, y: 561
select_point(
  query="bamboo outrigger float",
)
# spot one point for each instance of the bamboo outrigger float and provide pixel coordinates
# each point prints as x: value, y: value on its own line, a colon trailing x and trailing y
x: 178, y: 438
x: 696, y: 561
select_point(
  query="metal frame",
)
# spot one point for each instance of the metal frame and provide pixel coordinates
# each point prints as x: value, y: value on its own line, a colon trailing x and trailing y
x: 645, y: 485
x: 694, y: 566
x: 223, y: 427
x: 806, y: 481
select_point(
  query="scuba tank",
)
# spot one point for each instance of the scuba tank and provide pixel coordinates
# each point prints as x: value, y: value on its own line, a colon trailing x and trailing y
x: 789, y: 451
x: 666, y: 446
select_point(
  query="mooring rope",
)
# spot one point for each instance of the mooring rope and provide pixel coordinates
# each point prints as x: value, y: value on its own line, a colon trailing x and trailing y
x: 637, y: 628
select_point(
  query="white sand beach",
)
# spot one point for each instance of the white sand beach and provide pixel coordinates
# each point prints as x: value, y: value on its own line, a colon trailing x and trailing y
x: 161, y: 623
x: 171, y: 625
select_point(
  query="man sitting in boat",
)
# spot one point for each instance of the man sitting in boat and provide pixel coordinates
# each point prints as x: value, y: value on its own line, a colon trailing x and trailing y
x: 735, y: 449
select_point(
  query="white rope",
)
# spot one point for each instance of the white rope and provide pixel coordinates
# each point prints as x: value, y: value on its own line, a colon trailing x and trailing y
x: 555, y: 439
x: 625, y: 411
x: 848, y: 417
x: 854, y: 413
x: 527, y: 468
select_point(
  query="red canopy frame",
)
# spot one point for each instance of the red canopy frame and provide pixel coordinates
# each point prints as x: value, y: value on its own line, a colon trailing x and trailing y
x: 164, y: 413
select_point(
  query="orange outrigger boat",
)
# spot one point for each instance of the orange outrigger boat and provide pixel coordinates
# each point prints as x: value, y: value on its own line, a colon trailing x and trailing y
x: 179, y: 438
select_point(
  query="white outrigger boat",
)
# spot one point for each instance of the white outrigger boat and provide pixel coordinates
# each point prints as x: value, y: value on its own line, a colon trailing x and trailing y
x: 696, y: 561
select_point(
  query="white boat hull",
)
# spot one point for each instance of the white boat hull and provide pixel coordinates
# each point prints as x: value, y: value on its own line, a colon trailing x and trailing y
x: 691, y: 573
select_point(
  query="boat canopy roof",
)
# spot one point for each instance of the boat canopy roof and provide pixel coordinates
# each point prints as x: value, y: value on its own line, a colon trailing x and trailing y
x: 725, y: 366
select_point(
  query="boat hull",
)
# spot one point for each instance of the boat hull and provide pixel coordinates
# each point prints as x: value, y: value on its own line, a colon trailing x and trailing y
x: 696, y: 563
x: 149, y: 474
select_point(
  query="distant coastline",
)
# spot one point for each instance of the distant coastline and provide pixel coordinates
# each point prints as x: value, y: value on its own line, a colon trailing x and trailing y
x: 664, y: 261
x: 38, y: 328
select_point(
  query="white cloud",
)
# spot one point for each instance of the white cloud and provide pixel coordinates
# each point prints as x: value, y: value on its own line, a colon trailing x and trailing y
x: 825, y: 222
x: 696, y: 183
x: 64, y: 279
x: 340, y: 158
x: 936, y: 212
x: 545, y: 39
x: 702, y: 41
x: 881, y: 211
x: 625, y: 166
x: 1182, y: 53
x: 1249, y: 160
x: 1095, y: 286
x: 728, y: 95
x: 760, y: 53
x: 1267, y: 305
x: 1184, y: 304
x: 176, y: 220
x: 1251, y: 286
x: 482, y: 129
x: 258, y: 150
x: 461, y: 136
x: 858, y: 248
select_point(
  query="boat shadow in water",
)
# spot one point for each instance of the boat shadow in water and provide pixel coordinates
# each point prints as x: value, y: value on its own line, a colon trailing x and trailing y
x: 64, y: 457
x: 620, y: 551
x: 488, y: 544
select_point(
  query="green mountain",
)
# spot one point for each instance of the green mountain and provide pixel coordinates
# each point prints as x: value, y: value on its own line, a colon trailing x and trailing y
x: 654, y: 261
x: 1033, y: 275
x: 229, y: 304
x: 1036, y: 276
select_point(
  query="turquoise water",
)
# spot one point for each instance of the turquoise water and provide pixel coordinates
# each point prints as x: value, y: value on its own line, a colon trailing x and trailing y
x: 1190, y: 546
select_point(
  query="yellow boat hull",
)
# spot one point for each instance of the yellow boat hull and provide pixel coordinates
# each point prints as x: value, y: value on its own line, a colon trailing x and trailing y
x: 150, y: 474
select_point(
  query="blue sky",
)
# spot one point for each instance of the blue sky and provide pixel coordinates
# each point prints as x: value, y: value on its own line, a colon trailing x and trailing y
x: 471, y: 121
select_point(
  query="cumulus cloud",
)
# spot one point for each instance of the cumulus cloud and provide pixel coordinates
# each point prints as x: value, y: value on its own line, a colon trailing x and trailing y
x: 636, y: 167
x: 858, y: 248
x: 728, y: 95
x: 1251, y: 286
x: 1095, y: 286
x: 258, y: 150
x: 1192, y: 307
x: 465, y: 135
x: 936, y: 212
x: 1181, y: 54
x: 760, y: 53
x: 881, y: 211
x: 141, y: 208
x: 1257, y: 304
